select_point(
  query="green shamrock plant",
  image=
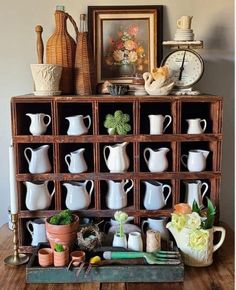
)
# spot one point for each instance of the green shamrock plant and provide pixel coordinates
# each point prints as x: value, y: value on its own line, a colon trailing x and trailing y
x: 117, y: 124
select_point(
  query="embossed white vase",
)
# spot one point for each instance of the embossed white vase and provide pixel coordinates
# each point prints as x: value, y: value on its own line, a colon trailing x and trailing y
x: 46, y: 79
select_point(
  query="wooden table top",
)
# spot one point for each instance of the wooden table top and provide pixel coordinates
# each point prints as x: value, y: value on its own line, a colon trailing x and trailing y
x: 218, y: 276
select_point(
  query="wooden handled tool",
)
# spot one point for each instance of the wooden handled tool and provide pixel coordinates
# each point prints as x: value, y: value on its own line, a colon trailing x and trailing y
x: 39, y: 43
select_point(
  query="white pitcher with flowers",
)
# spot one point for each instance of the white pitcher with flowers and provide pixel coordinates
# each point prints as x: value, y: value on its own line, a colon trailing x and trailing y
x: 120, y: 239
x: 193, y: 231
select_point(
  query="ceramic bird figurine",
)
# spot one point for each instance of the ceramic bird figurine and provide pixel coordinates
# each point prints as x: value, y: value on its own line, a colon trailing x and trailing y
x: 157, y: 83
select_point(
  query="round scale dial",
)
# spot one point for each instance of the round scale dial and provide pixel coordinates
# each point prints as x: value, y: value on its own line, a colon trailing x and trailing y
x: 186, y: 67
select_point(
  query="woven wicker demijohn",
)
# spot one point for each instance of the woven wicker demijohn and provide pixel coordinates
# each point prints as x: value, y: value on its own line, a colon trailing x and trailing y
x: 84, y: 63
x: 61, y: 50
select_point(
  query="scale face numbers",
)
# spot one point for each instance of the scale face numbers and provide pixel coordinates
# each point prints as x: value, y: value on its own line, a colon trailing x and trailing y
x: 186, y: 67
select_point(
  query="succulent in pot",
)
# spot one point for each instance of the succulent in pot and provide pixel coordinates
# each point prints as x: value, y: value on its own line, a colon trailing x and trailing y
x: 61, y: 255
x: 62, y: 228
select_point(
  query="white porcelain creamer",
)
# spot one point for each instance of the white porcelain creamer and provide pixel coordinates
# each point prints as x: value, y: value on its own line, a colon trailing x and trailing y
x: 117, y: 160
x: 78, y: 197
x: 154, y: 198
x: 39, y: 161
x: 157, y: 123
x: 77, y: 126
x: 37, y: 231
x: 116, y: 197
x: 196, y: 160
x: 38, y: 125
x: 37, y: 195
x: 194, y: 126
x: 76, y: 162
x: 157, y: 161
x: 194, y: 191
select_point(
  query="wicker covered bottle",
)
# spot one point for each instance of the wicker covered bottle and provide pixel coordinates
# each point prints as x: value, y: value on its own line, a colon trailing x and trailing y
x: 84, y: 64
x: 61, y: 50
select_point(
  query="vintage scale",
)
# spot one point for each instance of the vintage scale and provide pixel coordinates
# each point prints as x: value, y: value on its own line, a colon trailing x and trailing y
x: 185, y: 64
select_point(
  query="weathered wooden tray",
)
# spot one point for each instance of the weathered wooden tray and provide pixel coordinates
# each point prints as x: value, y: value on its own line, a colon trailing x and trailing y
x: 107, y: 273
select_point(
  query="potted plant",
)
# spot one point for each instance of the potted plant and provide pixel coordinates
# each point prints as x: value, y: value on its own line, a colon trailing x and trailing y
x: 193, y: 231
x: 61, y: 255
x: 120, y: 239
x: 62, y: 228
x: 117, y: 124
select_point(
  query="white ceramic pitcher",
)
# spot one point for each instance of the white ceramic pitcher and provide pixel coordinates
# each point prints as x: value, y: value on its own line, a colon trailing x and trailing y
x: 117, y: 160
x: 39, y: 162
x: 154, y: 198
x: 157, y: 123
x: 38, y: 125
x: 75, y: 161
x: 77, y: 126
x: 37, y: 195
x: 157, y: 224
x: 116, y: 197
x: 78, y: 197
x: 184, y: 22
x: 194, y: 126
x: 194, y: 191
x: 157, y: 161
x: 196, y: 160
x: 37, y: 231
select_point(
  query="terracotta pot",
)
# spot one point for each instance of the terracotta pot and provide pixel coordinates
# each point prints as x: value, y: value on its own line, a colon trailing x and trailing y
x: 62, y: 234
x: 61, y: 259
x: 45, y: 256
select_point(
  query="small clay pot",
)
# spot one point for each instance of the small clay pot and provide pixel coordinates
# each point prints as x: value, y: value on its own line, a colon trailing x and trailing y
x: 78, y: 256
x: 45, y: 257
x: 61, y: 259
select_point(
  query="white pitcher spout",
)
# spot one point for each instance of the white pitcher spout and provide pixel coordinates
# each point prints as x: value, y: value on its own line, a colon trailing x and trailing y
x: 124, y: 144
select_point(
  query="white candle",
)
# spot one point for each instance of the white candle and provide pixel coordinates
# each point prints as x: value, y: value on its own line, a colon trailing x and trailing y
x: 12, y: 179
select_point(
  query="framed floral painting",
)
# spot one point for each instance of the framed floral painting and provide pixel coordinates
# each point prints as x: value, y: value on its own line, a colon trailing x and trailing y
x: 127, y: 40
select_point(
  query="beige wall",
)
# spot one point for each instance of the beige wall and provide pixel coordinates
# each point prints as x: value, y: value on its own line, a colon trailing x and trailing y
x: 213, y: 22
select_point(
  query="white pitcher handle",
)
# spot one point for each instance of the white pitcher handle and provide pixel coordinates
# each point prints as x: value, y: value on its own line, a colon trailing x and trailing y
x: 142, y: 227
x: 131, y: 186
x: 169, y: 192
x: 222, y: 238
x: 104, y: 153
x: 204, y: 125
x: 92, y: 186
x: 54, y: 189
x: 167, y: 125
x: 49, y: 119
x: 89, y: 119
x: 182, y: 159
x: 144, y: 154
x: 26, y: 157
x: 66, y: 160
x: 205, y: 190
x: 28, y: 227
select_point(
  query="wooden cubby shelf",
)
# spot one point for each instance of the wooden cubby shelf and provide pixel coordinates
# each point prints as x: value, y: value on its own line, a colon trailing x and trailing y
x: 175, y: 138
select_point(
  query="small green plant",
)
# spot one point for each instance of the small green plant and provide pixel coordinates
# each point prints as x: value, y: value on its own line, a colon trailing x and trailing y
x: 63, y: 218
x: 208, y: 215
x: 59, y: 248
x: 121, y: 217
x: 117, y: 124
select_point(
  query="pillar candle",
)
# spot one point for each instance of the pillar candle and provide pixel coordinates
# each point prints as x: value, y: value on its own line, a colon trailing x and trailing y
x: 12, y: 179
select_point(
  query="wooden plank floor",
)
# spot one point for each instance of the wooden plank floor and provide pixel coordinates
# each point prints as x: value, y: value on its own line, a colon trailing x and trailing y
x: 219, y: 276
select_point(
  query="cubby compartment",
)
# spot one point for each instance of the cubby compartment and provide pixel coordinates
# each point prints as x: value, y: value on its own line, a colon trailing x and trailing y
x: 111, y: 148
x: 117, y: 194
x: 154, y: 108
x: 158, y: 157
x: 38, y: 161
x: 37, y: 194
x: 110, y: 108
x: 156, y: 194
x: 78, y: 195
x: 197, y: 160
x: 79, y: 156
x: 72, y: 109
x: 195, y: 189
x: 23, y: 122
x: 193, y: 110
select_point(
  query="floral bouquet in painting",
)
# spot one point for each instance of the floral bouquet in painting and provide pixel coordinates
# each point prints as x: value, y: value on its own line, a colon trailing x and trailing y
x: 125, y: 49
x: 193, y: 231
